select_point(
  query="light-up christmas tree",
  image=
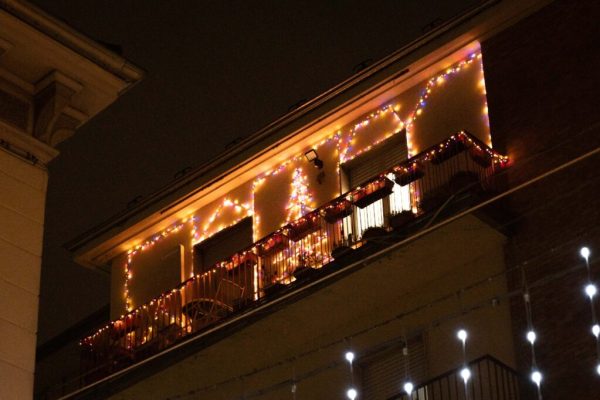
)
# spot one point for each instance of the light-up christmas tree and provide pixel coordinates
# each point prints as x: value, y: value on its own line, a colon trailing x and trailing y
x: 300, y: 201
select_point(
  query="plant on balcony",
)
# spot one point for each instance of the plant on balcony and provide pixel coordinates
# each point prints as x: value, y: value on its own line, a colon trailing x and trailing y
x: 400, y: 219
x: 246, y: 258
x: 480, y: 156
x: 306, y: 261
x: 337, y: 210
x: 303, y: 226
x: 340, y: 250
x: 271, y: 244
x: 372, y: 191
x: 407, y: 174
x: 374, y: 232
x: 447, y: 150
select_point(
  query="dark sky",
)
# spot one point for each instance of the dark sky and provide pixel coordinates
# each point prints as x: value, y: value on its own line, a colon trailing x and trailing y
x: 216, y: 70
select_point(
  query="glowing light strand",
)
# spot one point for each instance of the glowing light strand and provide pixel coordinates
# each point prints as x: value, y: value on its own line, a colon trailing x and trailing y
x: 432, y: 83
x: 591, y: 291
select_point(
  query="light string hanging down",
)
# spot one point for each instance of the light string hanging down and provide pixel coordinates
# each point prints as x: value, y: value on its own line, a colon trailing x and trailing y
x: 351, y: 393
x: 408, y: 386
x: 531, y: 336
x: 465, y: 372
x: 591, y: 291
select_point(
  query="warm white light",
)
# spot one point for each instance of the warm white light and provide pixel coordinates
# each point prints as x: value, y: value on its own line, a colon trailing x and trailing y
x: 596, y: 330
x: 591, y: 290
x: 536, y: 377
x: 349, y: 356
x: 462, y: 335
x: 598, y: 369
x: 352, y: 393
x: 465, y: 373
x: 585, y: 253
x: 531, y: 336
x: 408, y: 388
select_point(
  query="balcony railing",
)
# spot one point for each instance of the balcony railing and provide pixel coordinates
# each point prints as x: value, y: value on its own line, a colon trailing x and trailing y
x: 294, y: 254
x: 490, y: 380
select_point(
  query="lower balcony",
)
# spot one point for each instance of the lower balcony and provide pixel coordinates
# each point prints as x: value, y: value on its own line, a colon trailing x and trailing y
x: 450, y: 176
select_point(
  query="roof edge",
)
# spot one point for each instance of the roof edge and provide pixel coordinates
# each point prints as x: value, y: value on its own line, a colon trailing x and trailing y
x: 73, y: 39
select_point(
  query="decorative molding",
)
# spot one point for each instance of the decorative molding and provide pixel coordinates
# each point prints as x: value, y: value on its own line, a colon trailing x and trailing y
x: 25, y: 145
x: 54, y: 118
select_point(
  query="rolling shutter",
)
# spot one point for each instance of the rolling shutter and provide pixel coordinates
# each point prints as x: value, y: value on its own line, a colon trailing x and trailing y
x: 383, y: 374
x: 385, y: 155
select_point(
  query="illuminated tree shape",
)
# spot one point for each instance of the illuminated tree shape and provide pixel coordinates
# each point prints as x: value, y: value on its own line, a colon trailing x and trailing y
x: 300, y: 201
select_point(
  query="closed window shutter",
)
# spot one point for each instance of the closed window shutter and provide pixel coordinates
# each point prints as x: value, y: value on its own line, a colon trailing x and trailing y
x: 385, y: 155
x: 384, y: 374
x: 222, y: 245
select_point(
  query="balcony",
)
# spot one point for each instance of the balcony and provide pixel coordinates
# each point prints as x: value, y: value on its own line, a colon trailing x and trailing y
x: 490, y: 379
x: 454, y: 174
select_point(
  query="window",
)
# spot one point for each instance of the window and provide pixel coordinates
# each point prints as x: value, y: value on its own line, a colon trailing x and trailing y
x: 384, y: 372
x: 382, y: 157
x: 222, y: 245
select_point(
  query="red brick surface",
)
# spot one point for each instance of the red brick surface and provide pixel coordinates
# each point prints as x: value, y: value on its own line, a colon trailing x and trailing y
x: 543, y: 84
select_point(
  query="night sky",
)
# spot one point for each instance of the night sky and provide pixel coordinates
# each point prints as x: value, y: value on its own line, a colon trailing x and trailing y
x: 216, y: 71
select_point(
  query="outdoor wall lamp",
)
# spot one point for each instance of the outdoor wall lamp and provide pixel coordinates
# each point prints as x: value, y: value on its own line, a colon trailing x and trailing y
x: 313, y: 157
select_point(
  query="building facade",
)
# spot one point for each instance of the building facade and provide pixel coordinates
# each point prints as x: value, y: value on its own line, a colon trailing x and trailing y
x: 449, y: 186
x: 52, y: 81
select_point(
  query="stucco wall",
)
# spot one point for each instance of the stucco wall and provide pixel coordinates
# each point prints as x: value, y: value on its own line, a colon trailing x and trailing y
x: 440, y: 263
x: 22, y: 199
x: 457, y: 103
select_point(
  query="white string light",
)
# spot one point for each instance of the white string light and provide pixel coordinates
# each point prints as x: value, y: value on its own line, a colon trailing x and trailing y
x: 352, y: 393
x: 349, y: 357
x: 465, y: 372
x: 408, y: 385
x: 591, y: 290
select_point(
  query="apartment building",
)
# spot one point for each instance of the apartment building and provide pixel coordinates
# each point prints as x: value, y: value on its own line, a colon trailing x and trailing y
x: 337, y: 252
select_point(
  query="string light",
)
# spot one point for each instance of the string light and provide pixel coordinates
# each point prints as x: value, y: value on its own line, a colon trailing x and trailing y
x: 531, y: 337
x: 432, y: 83
x: 345, y: 151
x: 465, y: 372
x: 349, y: 357
x: 591, y: 291
x: 536, y: 375
x: 408, y: 385
x: 128, y: 274
x: 300, y: 199
x: 352, y: 393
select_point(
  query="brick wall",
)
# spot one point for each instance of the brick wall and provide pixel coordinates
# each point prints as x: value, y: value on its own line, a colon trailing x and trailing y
x: 542, y: 78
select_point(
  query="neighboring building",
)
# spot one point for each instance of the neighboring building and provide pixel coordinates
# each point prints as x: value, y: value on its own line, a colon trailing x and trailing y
x: 52, y: 81
x: 381, y: 216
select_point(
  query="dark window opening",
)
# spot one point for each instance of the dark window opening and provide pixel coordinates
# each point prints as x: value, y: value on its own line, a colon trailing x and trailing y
x: 222, y: 245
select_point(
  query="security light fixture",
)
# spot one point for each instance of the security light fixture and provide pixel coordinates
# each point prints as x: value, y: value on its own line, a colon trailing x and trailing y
x: 313, y: 157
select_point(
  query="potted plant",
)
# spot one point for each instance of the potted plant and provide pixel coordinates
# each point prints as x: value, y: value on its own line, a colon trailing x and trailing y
x: 306, y: 261
x: 409, y: 173
x: 246, y: 258
x: 374, y: 232
x: 271, y: 244
x: 340, y: 250
x: 372, y: 191
x: 303, y: 226
x: 400, y: 219
x: 452, y: 147
x: 337, y: 210
x: 480, y: 156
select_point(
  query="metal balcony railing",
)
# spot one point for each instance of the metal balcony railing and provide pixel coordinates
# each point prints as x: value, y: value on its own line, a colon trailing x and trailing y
x: 292, y: 255
x: 490, y: 380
